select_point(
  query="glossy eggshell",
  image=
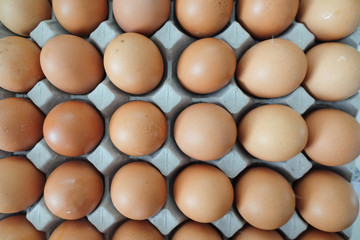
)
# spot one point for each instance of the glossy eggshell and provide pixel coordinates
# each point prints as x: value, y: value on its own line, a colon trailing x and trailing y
x: 17, y: 227
x: 326, y: 200
x: 73, y: 190
x: 272, y: 68
x: 203, y: 18
x: 203, y: 193
x: 72, y: 64
x: 264, y: 198
x: 138, y: 190
x: 73, y: 128
x: 206, y: 66
x: 138, y: 128
x: 133, y: 63
x: 137, y: 230
x: 76, y: 230
x: 195, y: 230
x: 141, y: 16
x: 249, y: 232
x: 205, y: 131
x: 312, y: 234
x: 21, y: 124
x: 273, y: 132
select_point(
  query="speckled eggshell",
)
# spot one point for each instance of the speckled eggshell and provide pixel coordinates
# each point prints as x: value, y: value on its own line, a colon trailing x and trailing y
x: 76, y: 230
x: 137, y: 230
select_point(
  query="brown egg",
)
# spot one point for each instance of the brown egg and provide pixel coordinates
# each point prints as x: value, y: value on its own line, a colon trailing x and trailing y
x: 203, y: 18
x: 73, y: 190
x: 133, y: 63
x: 205, y: 131
x: 76, y: 230
x: 312, y: 234
x: 73, y: 128
x: 20, y: 64
x: 138, y: 128
x: 203, y: 193
x: 272, y: 68
x: 72, y: 64
x: 273, y: 132
x: 80, y: 17
x: 265, y: 19
x: 333, y: 71
x: 195, y: 230
x: 21, y: 123
x: 330, y: 20
x: 138, y: 190
x: 23, y: 16
x: 334, y: 137
x: 137, y: 230
x: 21, y: 184
x: 141, y: 16
x: 251, y: 233
x: 206, y: 66
x: 17, y: 227
x: 326, y: 200
x: 264, y: 198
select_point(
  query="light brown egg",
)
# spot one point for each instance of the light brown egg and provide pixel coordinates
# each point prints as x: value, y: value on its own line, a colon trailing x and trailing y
x: 23, y: 16
x: 17, y: 227
x: 206, y: 66
x: 249, y: 232
x: 73, y: 128
x: 272, y: 68
x: 205, y: 131
x: 333, y: 71
x: 334, y: 137
x: 20, y: 64
x: 133, y: 63
x: 273, y: 132
x: 203, y: 193
x: 73, y: 190
x: 138, y: 128
x: 21, y: 124
x: 72, y: 64
x: 195, y: 230
x: 330, y: 20
x: 312, y: 234
x: 80, y: 17
x: 138, y: 190
x: 264, y: 198
x: 21, y: 184
x: 326, y: 200
x: 141, y: 16
x: 203, y: 18
x: 264, y: 18
x: 76, y: 230
x: 137, y: 230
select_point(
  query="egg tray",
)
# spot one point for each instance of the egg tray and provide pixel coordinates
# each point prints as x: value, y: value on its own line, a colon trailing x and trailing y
x: 171, y: 98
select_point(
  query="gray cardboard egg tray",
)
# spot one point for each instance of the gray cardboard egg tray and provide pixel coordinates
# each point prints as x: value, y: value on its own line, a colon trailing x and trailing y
x: 171, y: 98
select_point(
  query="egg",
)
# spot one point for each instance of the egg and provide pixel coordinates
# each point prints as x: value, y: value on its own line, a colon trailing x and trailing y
x: 330, y: 20
x: 22, y: 16
x: 71, y: 64
x: 138, y: 128
x: 76, y: 230
x: 326, y: 200
x: 133, y: 63
x: 21, y: 184
x: 206, y: 66
x: 264, y: 18
x: 273, y: 132
x: 137, y: 230
x: 205, y: 131
x: 141, y: 16
x: 253, y: 233
x: 17, y: 227
x: 203, y: 18
x: 333, y: 72
x: 272, y: 68
x: 80, y: 17
x: 203, y: 193
x: 73, y: 190
x: 195, y: 230
x: 21, y: 124
x: 20, y: 64
x: 138, y: 190
x: 73, y: 128
x: 264, y: 198
x: 312, y: 233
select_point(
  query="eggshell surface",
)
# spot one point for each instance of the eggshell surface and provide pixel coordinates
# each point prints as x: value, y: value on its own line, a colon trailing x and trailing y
x: 312, y: 233
x: 17, y: 227
x: 195, y: 230
x: 253, y: 233
x: 137, y: 230
x: 76, y: 230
